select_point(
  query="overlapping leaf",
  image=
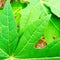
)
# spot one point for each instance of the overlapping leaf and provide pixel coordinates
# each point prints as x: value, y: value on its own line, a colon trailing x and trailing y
x: 54, y: 5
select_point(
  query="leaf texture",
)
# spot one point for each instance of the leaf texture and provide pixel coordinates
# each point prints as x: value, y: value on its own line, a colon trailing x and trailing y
x: 52, y: 31
x: 8, y: 32
x: 31, y: 35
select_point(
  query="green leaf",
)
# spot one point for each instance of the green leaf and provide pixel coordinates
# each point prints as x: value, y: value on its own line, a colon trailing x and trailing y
x: 31, y: 13
x: 28, y: 25
x: 25, y: 13
x: 3, y: 54
x: 36, y: 20
x: 45, y: 53
x: 8, y: 31
x: 30, y: 37
x: 54, y: 5
x: 52, y: 31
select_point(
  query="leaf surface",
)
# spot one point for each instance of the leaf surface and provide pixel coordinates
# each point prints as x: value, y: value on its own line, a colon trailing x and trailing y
x: 34, y: 10
x: 8, y: 32
x: 31, y: 30
x: 30, y: 37
x: 52, y: 31
x: 36, y: 19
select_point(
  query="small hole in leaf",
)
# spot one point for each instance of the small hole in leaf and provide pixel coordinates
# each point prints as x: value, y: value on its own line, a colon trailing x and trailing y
x: 41, y: 43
